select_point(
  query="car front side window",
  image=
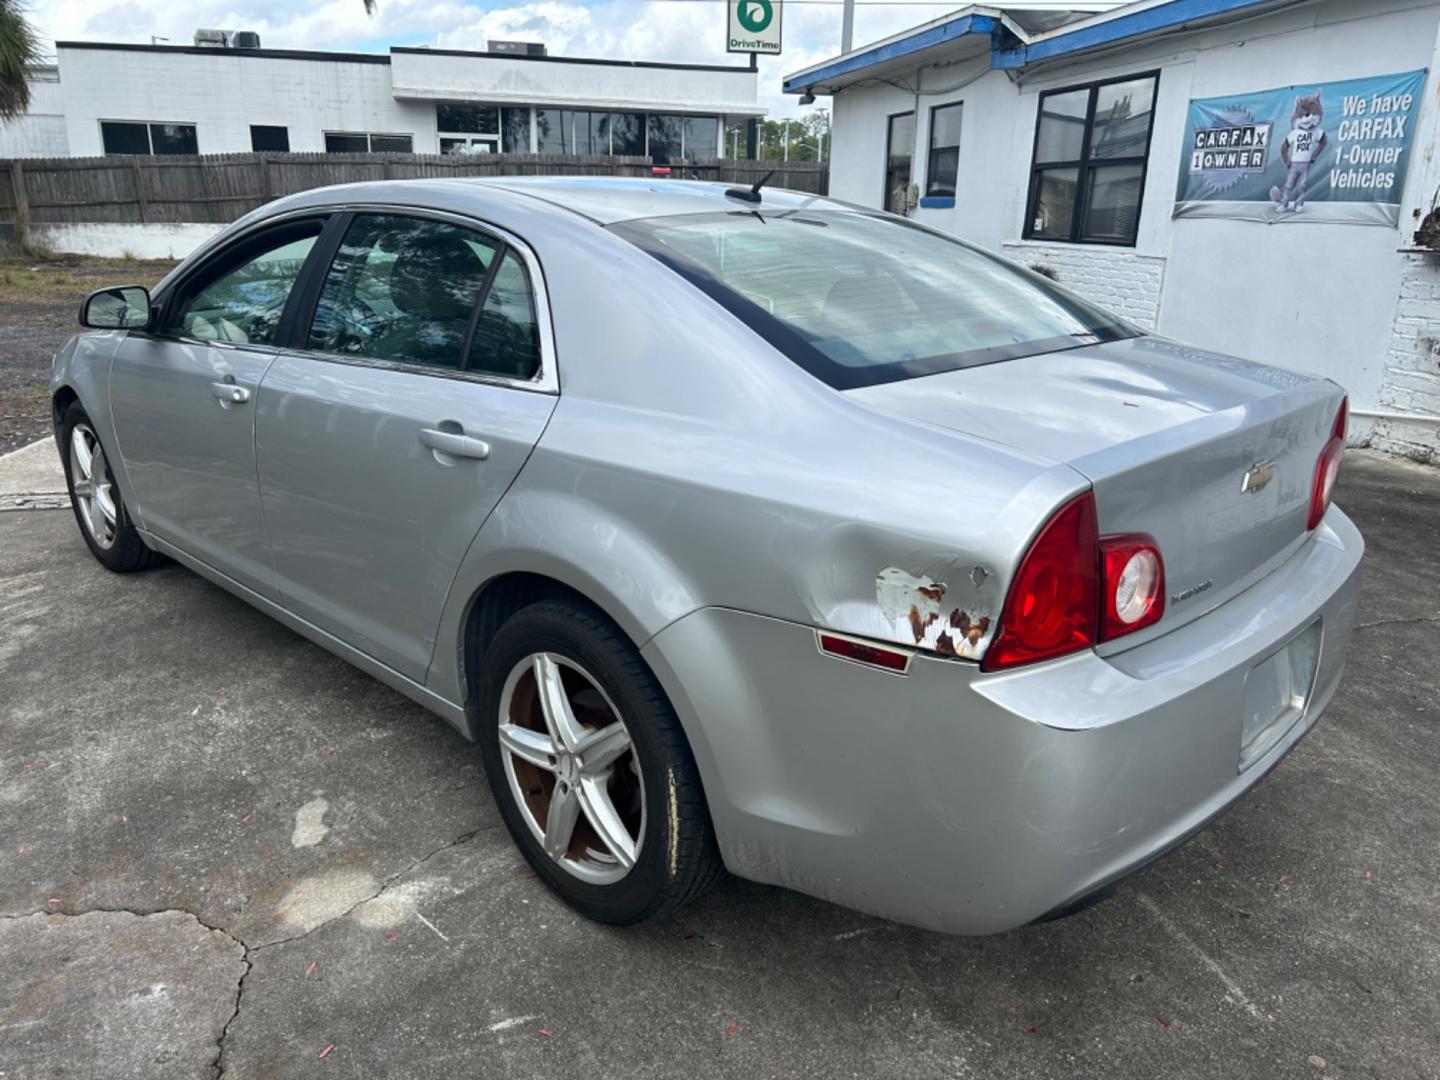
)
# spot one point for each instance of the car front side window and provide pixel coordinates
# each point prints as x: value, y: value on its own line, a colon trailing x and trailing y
x: 403, y: 289
x: 241, y: 298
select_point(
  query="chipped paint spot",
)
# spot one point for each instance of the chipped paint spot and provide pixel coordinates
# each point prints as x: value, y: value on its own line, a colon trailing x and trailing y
x: 912, y: 607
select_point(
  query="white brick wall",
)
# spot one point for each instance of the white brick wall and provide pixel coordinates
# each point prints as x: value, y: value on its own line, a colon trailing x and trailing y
x: 1411, y: 380
x: 1120, y: 281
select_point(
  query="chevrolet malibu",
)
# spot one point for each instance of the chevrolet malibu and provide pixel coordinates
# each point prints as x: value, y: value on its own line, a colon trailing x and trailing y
x: 741, y: 529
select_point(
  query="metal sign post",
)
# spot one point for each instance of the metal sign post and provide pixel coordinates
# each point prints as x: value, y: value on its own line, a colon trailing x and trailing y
x: 753, y: 27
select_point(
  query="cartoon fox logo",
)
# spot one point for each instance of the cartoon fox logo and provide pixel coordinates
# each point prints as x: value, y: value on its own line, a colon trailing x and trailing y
x: 1301, y: 147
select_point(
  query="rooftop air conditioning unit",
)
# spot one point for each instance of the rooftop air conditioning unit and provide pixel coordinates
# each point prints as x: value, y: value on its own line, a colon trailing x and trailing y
x: 213, y: 39
x: 517, y: 48
x: 246, y: 39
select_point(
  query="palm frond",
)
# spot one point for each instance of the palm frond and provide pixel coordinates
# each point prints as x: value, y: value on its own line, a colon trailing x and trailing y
x: 19, y: 51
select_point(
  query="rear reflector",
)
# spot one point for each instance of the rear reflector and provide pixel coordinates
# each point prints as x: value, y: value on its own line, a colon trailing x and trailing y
x: 1053, y: 606
x: 1327, y: 468
x: 1134, y: 592
x: 864, y: 652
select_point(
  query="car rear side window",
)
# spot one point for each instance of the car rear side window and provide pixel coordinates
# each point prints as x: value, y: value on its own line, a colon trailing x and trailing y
x: 240, y: 294
x: 507, y: 337
x: 403, y: 289
x: 858, y: 299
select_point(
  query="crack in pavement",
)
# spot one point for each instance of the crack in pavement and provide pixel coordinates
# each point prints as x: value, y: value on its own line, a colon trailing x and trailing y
x: 248, y: 951
x: 1398, y: 622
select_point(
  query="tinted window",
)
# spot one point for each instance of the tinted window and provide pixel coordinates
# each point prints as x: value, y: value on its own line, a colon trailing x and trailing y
x: 243, y: 304
x: 702, y: 137
x: 627, y: 134
x: 1088, y: 174
x: 516, y: 124
x: 480, y: 119
x: 124, y: 138
x: 507, y: 340
x: 944, y: 162
x: 666, y: 133
x: 402, y: 289
x: 173, y: 139
x: 265, y: 137
x: 899, y: 144
x: 391, y: 144
x: 857, y: 299
x: 339, y: 142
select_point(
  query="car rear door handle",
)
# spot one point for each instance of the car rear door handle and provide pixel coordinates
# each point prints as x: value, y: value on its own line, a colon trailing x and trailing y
x: 229, y: 393
x: 455, y: 443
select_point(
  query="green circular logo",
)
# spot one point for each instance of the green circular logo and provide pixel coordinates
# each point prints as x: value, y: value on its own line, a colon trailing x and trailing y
x: 755, y: 15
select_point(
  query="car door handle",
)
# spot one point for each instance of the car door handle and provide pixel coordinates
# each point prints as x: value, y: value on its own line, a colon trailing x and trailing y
x: 229, y: 393
x: 454, y: 443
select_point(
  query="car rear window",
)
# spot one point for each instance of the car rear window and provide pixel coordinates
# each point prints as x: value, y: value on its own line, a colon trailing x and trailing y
x: 858, y: 299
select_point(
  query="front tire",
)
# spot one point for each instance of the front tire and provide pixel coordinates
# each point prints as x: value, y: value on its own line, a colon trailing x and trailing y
x: 590, y: 768
x: 95, y: 497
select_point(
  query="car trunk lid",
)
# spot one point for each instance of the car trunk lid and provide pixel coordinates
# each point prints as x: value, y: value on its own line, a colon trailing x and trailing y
x: 1212, y: 456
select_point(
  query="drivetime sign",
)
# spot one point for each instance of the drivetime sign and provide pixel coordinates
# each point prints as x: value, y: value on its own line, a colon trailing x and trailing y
x: 754, y: 26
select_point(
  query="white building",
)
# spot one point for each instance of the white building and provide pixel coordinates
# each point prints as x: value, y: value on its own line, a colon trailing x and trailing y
x: 1117, y: 151
x: 115, y: 98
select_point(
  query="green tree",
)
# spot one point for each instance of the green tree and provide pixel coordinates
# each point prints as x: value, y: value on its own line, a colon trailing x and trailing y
x: 19, y: 51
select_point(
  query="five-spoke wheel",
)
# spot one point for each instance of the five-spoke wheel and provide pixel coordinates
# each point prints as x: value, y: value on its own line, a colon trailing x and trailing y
x: 589, y: 765
x: 572, y: 767
x: 92, y: 485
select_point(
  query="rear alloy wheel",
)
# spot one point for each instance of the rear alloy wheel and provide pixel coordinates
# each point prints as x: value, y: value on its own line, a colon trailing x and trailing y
x: 95, y: 497
x: 572, y: 768
x: 591, y: 770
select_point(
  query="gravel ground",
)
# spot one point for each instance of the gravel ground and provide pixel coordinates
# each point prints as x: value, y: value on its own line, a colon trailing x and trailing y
x: 39, y: 300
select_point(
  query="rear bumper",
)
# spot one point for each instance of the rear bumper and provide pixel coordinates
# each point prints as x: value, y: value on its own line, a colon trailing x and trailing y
x: 973, y: 803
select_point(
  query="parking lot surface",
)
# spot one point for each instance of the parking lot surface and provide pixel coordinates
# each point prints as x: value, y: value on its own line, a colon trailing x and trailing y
x: 222, y: 849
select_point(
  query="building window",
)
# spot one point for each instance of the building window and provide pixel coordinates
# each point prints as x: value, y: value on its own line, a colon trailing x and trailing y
x: 944, y: 160
x: 683, y: 138
x: 1088, y: 172
x: 515, y: 130
x: 265, y: 137
x: 899, y: 147
x: 123, y: 137
x: 359, y: 142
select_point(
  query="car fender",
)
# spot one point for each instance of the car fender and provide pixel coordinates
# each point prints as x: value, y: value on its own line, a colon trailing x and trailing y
x: 82, y: 366
x: 558, y: 535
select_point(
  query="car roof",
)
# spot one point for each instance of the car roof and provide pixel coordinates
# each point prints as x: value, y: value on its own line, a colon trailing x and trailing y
x: 608, y: 199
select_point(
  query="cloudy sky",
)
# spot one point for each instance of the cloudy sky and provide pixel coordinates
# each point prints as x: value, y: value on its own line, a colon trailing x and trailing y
x: 677, y: 30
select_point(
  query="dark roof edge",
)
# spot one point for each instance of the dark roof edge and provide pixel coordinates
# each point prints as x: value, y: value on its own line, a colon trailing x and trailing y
x: 205, y: 50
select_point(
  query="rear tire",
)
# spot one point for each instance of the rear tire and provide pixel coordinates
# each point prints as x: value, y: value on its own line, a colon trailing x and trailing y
x: 95, y: 497
x: 625, y: 763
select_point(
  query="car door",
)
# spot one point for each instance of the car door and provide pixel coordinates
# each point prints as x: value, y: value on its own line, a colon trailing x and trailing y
x: 426, y: 379
x: 182, y: 398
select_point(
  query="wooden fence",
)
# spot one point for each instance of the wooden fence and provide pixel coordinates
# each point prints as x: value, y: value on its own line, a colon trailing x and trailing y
x: 219, y: 188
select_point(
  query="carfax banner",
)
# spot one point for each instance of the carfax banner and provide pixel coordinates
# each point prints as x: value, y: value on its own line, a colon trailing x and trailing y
x: 1334, y: 152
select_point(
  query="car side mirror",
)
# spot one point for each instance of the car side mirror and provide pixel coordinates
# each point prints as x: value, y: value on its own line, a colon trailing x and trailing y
x: 124, y: 307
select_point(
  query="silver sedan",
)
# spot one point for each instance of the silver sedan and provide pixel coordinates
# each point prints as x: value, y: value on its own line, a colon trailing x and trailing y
x: 740, y: 529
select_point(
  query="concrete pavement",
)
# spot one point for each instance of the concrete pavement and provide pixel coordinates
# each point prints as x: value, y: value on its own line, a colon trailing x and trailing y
x: 221, y: 848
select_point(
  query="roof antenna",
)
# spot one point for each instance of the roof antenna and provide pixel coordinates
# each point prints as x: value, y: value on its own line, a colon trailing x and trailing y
x: 750, y: 194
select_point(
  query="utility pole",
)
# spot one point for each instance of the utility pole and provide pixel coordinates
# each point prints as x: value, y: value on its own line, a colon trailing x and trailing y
x: 847, y: 26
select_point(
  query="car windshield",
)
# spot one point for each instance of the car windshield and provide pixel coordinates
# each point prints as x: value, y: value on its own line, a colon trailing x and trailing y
x: 858, y: 299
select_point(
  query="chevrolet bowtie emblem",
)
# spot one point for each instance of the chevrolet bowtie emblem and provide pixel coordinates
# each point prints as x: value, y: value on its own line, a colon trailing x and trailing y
x: 1256, y: 477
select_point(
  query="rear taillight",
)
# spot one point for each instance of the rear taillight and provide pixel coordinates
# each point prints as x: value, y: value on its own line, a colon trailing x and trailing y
x: 1134, y: 592
x: 1054, y: 602
x: 1327, y: 469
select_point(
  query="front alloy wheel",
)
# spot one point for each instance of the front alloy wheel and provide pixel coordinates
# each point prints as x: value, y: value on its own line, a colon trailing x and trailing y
x: 572, y: 768
x: 92, y: 485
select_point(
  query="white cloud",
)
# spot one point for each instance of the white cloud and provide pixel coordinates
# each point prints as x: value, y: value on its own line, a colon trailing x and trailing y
x: 624, y: 29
